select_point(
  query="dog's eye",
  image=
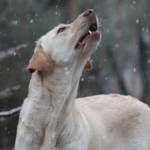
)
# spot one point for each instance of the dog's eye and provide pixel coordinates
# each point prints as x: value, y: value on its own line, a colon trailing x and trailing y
x: 61, y: 29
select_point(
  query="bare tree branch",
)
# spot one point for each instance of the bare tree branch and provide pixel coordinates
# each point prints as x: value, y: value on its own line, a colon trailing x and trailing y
x: 9, y: 91
x: 10, y: 112
x: 11, y: 51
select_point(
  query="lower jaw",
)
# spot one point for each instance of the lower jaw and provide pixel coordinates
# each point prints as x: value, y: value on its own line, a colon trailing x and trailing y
x: 94, y: 36
x: 90, y: 45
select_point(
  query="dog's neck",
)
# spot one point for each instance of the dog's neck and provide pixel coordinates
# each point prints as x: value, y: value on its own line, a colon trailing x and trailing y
x: 53, y: 89
x: 56, y: 91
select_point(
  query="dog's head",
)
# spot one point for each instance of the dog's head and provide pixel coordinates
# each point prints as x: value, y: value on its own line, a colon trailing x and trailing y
x: 67, y: 44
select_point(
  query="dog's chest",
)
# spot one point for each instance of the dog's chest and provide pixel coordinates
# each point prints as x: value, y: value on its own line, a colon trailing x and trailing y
x: 33, y: 114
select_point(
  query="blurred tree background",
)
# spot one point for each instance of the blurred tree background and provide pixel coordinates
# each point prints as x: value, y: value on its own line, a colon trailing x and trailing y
x: 121, y: 63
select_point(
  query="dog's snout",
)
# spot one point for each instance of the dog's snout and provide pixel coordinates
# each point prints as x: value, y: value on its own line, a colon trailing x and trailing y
x: 90, y: 16
x: 88, y: 12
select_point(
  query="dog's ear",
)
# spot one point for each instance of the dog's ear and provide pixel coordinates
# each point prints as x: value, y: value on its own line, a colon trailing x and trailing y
x: 40, y: 61
x: 88, y: 65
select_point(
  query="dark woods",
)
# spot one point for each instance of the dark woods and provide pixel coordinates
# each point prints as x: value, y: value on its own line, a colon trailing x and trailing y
x: 121, y: 63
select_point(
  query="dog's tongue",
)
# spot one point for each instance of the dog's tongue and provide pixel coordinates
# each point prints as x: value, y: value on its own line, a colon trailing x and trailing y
x: 89, y: 43
x: 91, y: 36
x: 82, y: 44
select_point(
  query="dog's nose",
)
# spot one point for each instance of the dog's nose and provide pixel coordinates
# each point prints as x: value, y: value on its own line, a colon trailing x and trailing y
x: 88, y: 12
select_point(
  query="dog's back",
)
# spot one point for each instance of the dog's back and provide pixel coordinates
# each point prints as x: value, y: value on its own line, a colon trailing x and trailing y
x: 116, y: 122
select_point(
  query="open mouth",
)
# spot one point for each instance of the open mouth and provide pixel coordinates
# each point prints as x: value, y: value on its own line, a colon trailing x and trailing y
x: 91, y: 32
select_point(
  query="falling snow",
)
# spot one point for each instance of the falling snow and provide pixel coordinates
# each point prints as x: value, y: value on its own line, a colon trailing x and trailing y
x: 133, y: 2
x: 147, y: 31
x: 14, y: 22
x: 14, y: 54
x: 137, y: 21
x: 117, y: 45
x: 126, y: 34
x: 107, y: 30
x: 31, y: 21
x: 134, y: 70
x: 82, y: 79
x: 106, y: 78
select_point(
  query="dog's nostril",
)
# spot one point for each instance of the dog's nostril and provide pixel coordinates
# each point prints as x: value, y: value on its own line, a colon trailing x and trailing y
x: 88, y: 12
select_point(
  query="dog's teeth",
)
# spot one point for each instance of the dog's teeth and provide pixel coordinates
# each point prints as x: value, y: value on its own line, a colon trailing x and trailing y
x: 89, y: 32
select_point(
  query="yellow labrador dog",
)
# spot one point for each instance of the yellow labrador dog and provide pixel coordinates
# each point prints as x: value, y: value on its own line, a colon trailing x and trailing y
x: 51, y: 117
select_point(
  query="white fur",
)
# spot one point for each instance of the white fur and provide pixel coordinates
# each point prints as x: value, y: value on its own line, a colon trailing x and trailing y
x: 51, y: 118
